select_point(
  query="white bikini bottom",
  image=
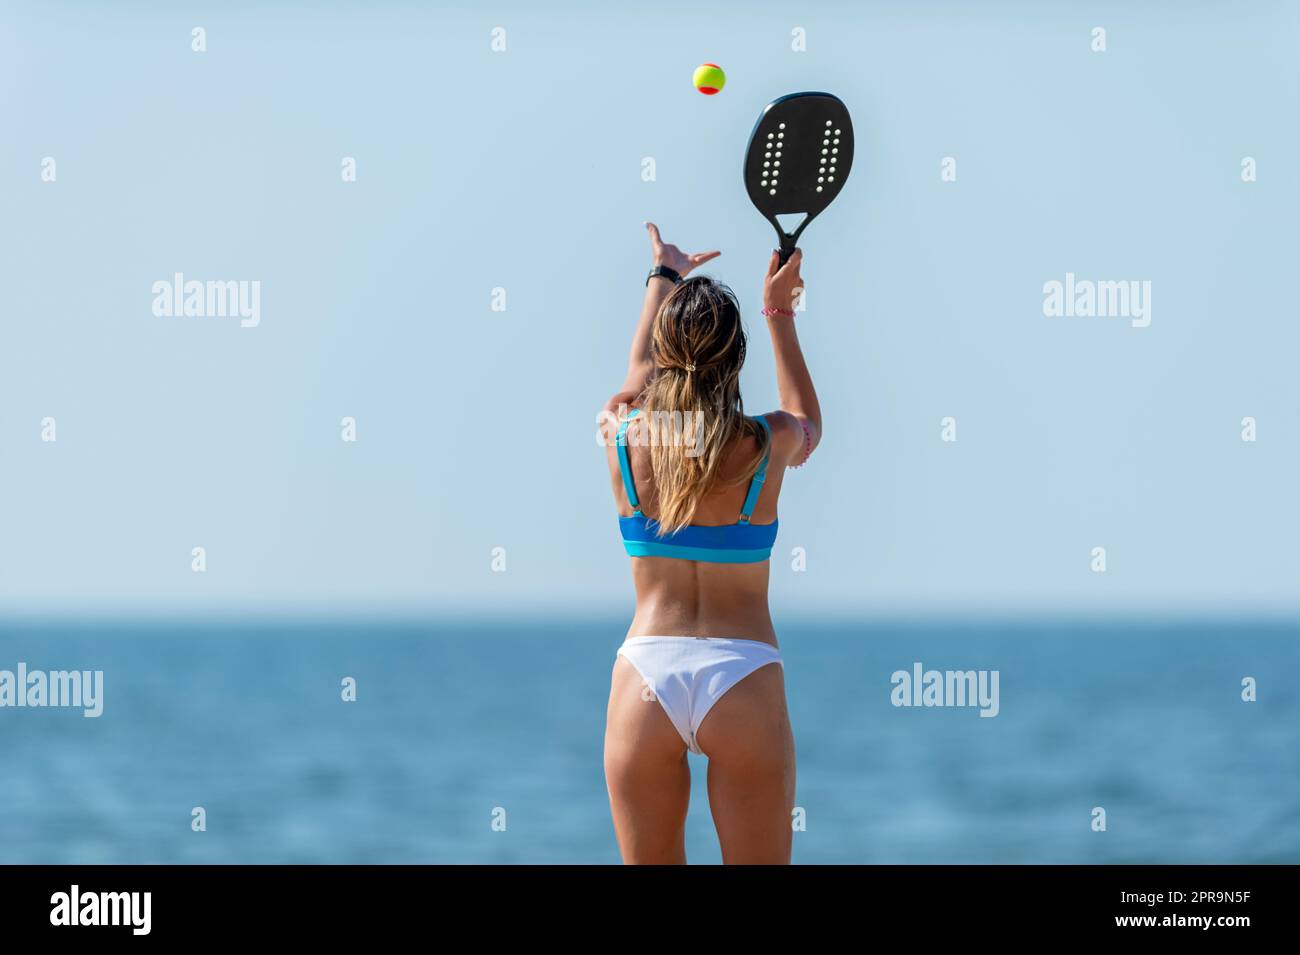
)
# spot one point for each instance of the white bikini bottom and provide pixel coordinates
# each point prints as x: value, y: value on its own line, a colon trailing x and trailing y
x: 689, y: 674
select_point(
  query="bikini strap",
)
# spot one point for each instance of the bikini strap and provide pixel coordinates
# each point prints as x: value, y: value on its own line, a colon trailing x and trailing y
x: 756, y: 485
x: 625, y: 466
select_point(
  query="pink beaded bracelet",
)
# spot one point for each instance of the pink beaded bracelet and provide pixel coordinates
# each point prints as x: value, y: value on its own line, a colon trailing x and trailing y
x: 787, y: 312
x: 807, y: 444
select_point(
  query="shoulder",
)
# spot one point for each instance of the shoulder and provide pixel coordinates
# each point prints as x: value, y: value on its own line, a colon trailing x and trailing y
x: 787, y: 436
x: 614, y: 413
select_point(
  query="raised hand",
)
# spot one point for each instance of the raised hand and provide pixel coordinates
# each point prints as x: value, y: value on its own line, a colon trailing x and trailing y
x: 673, y: 257
x: 782, y: 281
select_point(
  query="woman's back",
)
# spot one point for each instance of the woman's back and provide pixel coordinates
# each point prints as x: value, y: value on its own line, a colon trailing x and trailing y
x: 703, y: 598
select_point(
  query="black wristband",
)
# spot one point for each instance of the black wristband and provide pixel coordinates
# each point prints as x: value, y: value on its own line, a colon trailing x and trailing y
x: 670, y: 274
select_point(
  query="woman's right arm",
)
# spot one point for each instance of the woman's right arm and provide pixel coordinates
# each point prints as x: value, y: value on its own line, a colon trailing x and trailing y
x: 794, y: 383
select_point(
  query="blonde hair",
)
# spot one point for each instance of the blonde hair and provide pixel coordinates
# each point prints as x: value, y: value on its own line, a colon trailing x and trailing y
x: 697, y: 344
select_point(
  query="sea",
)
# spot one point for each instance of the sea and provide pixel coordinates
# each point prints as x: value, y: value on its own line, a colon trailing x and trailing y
x: 480, y: 742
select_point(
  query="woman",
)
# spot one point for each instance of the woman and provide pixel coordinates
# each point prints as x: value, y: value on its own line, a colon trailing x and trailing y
x: 696, y: 484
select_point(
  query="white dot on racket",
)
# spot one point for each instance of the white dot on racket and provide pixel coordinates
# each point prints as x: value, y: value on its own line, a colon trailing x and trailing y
x: 781, y: 126
x: 772, y: 193
x: 819, y: 188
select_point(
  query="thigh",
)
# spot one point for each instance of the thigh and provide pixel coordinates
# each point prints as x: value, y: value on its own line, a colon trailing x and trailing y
x: 646, y: 772
x: 750, y: 746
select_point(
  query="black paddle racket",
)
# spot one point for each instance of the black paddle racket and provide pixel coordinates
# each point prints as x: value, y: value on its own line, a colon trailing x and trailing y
x: 798, y: 158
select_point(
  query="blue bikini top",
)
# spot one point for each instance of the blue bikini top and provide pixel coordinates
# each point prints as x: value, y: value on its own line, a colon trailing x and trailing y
x: 738, y: 543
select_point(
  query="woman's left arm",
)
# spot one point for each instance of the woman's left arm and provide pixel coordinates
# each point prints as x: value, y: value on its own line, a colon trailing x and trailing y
x: 639, y: 365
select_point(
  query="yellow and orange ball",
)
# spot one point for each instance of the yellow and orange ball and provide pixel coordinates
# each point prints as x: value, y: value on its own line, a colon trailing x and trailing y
x: 709, y: 78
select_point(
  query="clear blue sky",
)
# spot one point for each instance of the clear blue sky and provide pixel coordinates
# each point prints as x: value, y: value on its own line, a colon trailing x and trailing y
x: 522, y: 170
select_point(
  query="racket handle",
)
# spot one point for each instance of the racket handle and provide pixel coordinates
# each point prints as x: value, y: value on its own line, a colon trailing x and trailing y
x: 785, y: 252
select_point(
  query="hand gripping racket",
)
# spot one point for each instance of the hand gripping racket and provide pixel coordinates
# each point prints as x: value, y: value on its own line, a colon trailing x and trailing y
x: 799, y: 155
